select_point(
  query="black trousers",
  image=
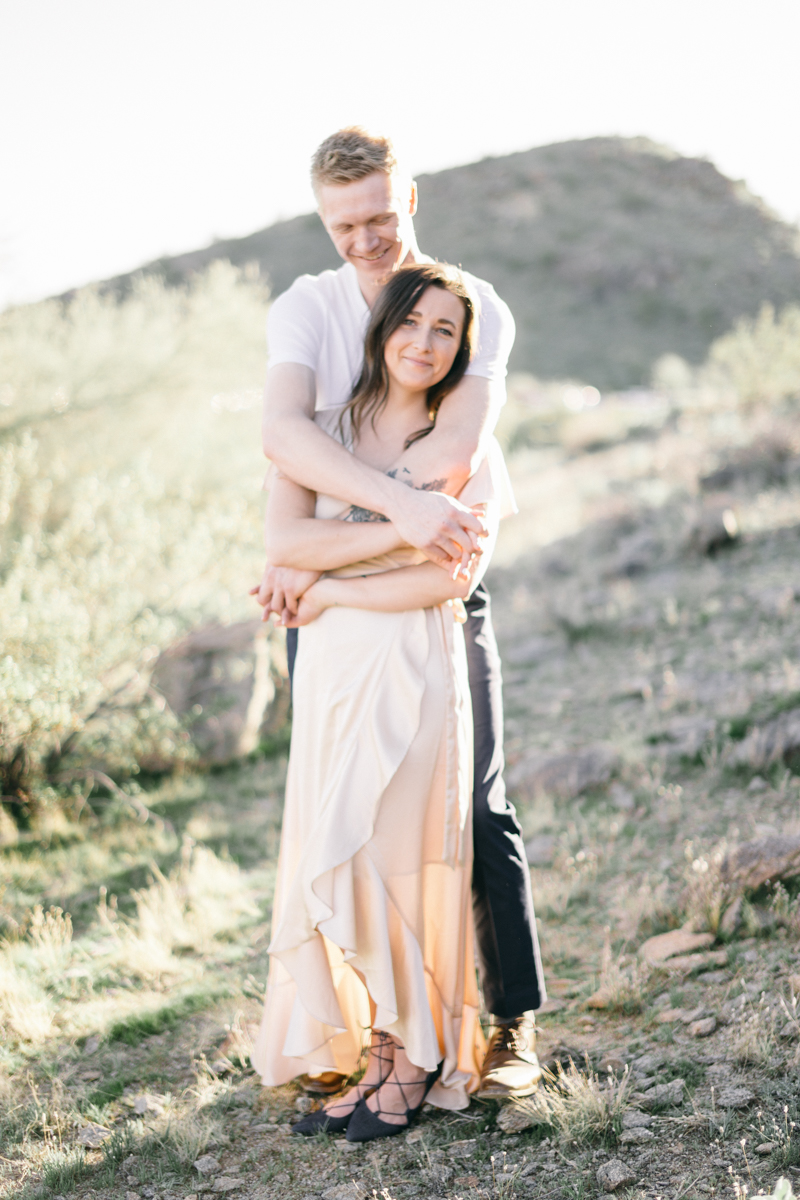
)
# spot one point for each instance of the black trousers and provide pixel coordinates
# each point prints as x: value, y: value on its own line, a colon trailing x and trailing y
x: 505, y: 926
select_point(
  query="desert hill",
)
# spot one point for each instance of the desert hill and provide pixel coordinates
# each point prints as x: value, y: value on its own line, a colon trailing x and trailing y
x: 610, y: 252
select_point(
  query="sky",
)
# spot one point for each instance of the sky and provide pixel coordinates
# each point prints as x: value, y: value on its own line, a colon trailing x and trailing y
x: 132, y: 130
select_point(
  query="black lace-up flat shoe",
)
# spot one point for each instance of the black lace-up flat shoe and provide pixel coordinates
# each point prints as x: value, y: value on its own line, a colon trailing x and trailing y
x: 322, y: 1122
x: 366, y: 1125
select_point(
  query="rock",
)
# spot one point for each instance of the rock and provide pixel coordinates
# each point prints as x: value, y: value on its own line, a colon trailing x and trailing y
x: 565, y: 776
x: 663, y: 946
x: 224, y: 1183
x: 539, y: 850
x: 91, y: 1045
x: 757, y: 784
x: 714, y: 526
x: 206, y: 1165
x: 777, y: 741
x: 685, y: 737
x: 132, y: 1196
x: 416, y: 1135
x: 764, y: 860
x: 713, y: 978
x: 645, y: 1063
x: 264, y: 1127
x: 230, y: 683
x: 734, y: 1097
x: 611, y: 1062
x: 703, y: 1028
x: 633, y: 1119
x: 515, y: 1117
x: 664, y: 1095
x: 731, y: 918
x: 672, y: 1014
x: 614, y: 1175
x: 303, y: 1104
x: 686, y: 963
x: 794, y: 984
x: 343, y: 1191
x: 637, y: 1136
x: 765, y: 1148
x: 92, y: 1136
x: 561, y: 1055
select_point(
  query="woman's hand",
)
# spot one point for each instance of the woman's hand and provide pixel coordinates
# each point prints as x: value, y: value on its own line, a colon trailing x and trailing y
x: 309, y: 606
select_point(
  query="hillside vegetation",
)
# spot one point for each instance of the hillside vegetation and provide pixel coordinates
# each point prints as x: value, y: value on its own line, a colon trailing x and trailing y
x: 610, y: 251
x: 647, y: 604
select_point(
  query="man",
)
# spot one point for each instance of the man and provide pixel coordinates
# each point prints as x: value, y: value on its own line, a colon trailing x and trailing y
x: 316, y: 335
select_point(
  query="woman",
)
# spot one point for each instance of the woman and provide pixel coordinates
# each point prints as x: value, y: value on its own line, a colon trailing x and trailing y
x: 372, y: 927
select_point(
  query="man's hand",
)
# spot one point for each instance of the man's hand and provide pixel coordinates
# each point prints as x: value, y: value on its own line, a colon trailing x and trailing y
x: 280, y: 590
x: 444, y: 530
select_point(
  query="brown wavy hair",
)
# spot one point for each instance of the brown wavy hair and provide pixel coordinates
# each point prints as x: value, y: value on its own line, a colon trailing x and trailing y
x: 396, y: 300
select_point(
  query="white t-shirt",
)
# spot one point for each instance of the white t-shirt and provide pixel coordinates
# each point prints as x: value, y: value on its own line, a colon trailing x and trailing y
x: 320, y: 322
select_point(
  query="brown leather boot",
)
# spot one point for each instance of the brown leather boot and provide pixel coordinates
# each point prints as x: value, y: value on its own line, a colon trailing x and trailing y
x: 511, y: 1068
x: 326, y: 1084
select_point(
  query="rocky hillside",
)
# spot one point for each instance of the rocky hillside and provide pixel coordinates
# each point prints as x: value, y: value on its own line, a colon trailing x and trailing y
x: 610, y: 252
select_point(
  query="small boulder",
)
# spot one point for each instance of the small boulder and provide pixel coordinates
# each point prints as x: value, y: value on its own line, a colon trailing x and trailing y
x: 633, y: 1119
x: 224, y: 1183
x: 764, y: 860
x: 92, y: 1136
x: 776, y: 741
x: 686, y: 963
x: 230, y: 683
x: 714, y: 526
x: 615, y: 1174
x: 663, y: 946
x: 206, y: 1165
x: 734, y: 1097
x: 703, y: 1028
x: 664, y: 1095
x: 565, y: 776
x: 637, y: 1136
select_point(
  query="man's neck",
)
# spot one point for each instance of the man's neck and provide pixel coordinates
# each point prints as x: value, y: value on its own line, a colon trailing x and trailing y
x: 370, y: 285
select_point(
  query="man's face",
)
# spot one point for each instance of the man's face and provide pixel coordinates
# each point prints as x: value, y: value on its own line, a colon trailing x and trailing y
x: 369, y: 222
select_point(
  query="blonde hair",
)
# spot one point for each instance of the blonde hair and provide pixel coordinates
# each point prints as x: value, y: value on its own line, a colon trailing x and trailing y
x: 351, y: 154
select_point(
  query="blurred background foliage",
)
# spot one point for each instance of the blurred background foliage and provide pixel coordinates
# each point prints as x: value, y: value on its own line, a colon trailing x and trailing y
x: 130, y: 475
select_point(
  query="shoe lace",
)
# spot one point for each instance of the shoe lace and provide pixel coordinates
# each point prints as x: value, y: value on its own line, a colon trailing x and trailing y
x: 382, y: 1049
x: 512, y: 1035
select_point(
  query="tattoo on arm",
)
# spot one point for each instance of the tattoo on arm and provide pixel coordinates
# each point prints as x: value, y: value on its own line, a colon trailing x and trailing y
x: 354, y: 513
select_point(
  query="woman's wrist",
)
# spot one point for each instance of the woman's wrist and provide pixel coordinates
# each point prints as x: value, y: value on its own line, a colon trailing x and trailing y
x: 323, y: 592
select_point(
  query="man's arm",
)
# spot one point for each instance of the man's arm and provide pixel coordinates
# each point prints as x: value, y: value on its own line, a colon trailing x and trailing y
x: 294, y: 537
x: 442, y: 528
x: 450, y: 453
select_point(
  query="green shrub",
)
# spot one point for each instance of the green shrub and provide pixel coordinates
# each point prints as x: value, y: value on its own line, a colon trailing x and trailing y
x: 130, y: 470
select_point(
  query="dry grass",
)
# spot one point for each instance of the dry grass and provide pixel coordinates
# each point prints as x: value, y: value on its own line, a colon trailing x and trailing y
x: 579, y: 1106
x: 52, y: 984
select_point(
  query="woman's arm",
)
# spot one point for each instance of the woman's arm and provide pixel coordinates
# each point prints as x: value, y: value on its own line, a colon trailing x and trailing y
x: 294, y: 537
x: 422, y: 586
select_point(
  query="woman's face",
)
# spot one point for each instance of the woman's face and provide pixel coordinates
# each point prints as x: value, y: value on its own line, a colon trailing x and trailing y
x: 421, y: 350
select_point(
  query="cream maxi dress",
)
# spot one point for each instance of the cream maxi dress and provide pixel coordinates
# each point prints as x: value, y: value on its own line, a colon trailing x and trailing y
x: 373, y: 895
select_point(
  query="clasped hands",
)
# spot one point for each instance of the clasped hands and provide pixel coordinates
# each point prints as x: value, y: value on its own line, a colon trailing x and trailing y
x: 281, y: 589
